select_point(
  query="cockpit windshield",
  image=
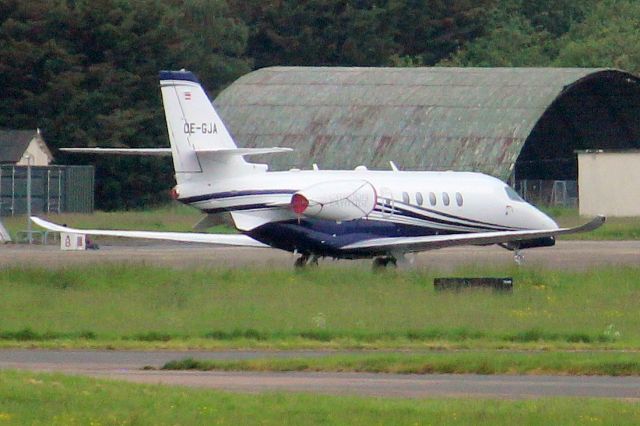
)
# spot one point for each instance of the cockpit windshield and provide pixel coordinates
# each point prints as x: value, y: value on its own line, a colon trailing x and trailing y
x: 512, y: 194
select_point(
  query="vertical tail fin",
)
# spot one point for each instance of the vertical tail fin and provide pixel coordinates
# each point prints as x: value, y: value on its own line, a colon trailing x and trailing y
x: 201, y: 146
x: 192, y: 122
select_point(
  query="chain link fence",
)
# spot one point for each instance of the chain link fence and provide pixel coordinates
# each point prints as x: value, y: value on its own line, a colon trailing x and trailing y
x: 54, y: 189
x: 549, y: 193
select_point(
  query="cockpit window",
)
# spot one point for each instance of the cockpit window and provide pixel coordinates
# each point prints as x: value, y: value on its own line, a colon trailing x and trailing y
x: 512, y: 194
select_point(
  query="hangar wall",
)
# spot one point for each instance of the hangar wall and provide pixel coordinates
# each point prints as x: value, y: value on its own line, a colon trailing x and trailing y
x: 609, y: 183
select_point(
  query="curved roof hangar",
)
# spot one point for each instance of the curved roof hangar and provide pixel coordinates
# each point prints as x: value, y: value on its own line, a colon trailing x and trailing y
x: 500, y: 121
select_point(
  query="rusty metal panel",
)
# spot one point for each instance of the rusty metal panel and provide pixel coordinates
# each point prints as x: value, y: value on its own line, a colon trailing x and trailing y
x: 422, y: 118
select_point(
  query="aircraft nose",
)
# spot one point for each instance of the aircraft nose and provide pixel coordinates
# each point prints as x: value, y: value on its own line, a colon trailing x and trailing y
x: 543, y: 221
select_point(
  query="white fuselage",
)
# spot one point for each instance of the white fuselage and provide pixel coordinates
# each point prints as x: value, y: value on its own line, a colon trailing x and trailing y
x: 476, y: 201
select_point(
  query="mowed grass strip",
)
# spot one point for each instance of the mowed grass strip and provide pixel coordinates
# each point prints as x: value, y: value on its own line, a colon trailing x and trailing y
x: 473, y: 362
x: 323, y: 307
x: 27, y: 398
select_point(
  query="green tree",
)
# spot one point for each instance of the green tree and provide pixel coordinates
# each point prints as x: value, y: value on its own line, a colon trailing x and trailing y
x: 428, y: 31
x: 522, y: 33
x: 85, y: 71
x: 513, y: 44
x: 609, y: 37
x: 358, y: 33
x: 315, y: 32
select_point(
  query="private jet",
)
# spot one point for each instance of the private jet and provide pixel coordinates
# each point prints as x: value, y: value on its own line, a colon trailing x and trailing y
x: 342, y: 214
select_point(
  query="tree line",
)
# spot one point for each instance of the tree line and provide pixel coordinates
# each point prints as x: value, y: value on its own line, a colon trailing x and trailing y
x: 85, y: 71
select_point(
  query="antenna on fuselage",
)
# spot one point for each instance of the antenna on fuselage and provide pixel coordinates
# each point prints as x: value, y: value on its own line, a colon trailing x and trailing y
x: 393, y: 166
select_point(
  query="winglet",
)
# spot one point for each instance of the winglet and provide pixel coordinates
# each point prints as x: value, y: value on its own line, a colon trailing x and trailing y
x: 593, y: 224
x: 52, y: 226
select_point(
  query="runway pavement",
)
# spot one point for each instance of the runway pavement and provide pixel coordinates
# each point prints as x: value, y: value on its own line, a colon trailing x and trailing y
x: 127, y: 365
x: 568, y: 255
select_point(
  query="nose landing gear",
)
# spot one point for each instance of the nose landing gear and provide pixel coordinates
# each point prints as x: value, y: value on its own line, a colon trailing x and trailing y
x: 518, y: 257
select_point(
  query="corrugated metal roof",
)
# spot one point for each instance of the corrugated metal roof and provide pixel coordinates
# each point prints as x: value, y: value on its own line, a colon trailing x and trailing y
x: 421, y: 118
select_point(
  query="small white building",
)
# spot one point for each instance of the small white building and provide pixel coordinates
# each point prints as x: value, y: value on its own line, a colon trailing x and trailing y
x: 609, y: 182
x: 54, y: 188
x: 18, y: 147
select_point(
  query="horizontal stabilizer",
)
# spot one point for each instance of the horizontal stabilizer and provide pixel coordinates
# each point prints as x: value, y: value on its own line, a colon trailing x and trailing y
x: 414, y: 244
x: 242, y: 151
x: 190, y: 237
x: 161, y: 152
x: 167, y: 151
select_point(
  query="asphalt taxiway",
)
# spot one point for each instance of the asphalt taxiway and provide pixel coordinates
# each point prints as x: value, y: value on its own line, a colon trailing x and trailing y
x: 129, y: 366
x: 566, y: 255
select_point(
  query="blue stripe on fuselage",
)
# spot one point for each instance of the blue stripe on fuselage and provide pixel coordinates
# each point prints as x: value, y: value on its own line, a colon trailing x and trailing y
x: 400, y: 210
x: 232, y: 194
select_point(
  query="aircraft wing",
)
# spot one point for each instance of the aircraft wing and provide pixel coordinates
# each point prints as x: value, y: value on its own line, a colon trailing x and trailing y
x: 242, y: 151
x: 191, y: 237
x: 159, y: 152
x: 162, y: 152
x: 413, y: 244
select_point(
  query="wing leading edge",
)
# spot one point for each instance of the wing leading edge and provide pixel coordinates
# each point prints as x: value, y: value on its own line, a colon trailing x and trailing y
x: 190, y: 237
x: 413, y: 244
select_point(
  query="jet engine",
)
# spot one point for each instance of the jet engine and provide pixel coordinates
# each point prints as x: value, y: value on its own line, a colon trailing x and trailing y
x: 339, y: 201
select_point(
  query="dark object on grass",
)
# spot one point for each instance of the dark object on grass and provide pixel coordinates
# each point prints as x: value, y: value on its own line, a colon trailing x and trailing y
x: 498, y: 284
x: 90, y: 245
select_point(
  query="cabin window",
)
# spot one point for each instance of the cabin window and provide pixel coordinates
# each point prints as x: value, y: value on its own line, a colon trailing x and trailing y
x: 459, y: 199
x: 512, y: 194
x: 405, y: 197
x: 419, y: 198
x: 445, y: 199
x: 432, y: 198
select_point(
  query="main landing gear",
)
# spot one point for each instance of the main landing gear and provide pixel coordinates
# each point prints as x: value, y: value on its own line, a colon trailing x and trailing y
x: 306, y: 260
x: 384, y: 262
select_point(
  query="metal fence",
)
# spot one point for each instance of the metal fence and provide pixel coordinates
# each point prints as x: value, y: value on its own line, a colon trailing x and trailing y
x: 550, y: 193
x: 54, y: 189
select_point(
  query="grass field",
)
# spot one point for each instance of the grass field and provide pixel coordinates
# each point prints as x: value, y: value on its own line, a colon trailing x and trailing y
x: 42, y: 399
x: 445, y: 362
x: 180, y: 218
x: 144, y: 306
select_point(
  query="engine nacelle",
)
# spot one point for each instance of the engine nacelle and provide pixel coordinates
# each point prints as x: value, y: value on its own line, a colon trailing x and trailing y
x: 339, y: 201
